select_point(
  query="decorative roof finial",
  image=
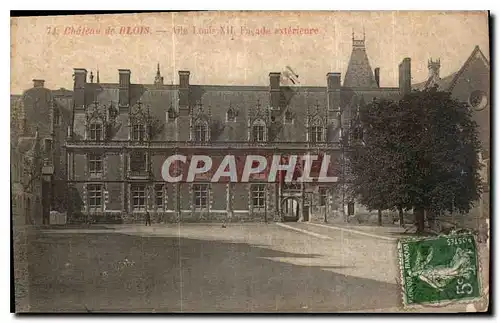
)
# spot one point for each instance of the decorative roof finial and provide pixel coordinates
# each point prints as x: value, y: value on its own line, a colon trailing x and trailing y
x: 91, y: 77
x: 158, y: 77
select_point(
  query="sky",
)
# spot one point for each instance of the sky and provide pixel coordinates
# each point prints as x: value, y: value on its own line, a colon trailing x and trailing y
x: 50, y: 47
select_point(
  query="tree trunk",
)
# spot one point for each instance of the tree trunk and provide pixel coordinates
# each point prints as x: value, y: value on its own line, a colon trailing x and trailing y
x: 431, y: 219
x: 380, y: 218
x: 401, y: 217
x: 419, y: 220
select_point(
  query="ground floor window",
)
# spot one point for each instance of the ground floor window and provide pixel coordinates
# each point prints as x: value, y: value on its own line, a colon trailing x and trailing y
x: 138, y: 192
x: 94, y: 196
x: 200, y: 196
x: 258, y: 196
x: 159, y: 196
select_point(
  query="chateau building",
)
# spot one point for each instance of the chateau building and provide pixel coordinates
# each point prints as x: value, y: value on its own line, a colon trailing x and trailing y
x: 121, y: 134
x: 102, y: 145
x: 39, y: 120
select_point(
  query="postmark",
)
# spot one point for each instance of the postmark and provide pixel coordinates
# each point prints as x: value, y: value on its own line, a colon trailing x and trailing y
x: 439, y: 270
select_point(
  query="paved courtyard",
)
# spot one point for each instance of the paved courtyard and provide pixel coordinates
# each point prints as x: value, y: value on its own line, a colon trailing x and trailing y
x: 207, y: 268
x: 251, y: 267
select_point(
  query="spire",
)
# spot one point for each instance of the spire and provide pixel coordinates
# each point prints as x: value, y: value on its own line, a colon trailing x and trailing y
x: 359, y: 72
x: 158, y: 77
x: 98, y: 75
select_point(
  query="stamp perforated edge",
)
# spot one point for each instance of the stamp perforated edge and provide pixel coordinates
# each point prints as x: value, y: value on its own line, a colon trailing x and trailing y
x: 444, y: 303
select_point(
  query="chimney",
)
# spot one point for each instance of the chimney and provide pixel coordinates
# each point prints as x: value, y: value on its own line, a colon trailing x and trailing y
x: 405, y: 76
x: 124, y: 88
x: 333, y: 91
x: 80, y: 79
x: 184, y: 90
x: 377, y: 76
x: 38, y: 83
x: 274, y: 89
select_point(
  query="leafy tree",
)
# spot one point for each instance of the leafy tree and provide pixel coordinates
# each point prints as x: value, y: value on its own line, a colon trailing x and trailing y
x: 420, y: 153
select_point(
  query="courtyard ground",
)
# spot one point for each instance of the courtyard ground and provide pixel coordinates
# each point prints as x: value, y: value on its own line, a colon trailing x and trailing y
x: 250, y: 267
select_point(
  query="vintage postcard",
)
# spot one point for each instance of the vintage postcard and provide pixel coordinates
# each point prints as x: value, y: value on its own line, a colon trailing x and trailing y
x: 251, y: 162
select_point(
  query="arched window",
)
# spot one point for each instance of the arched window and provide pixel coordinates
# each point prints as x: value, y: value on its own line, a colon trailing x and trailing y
x: 259, y: 131
x: 201, y: 131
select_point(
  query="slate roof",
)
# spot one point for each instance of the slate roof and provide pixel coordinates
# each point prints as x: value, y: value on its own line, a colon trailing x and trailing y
x: 359, y: 72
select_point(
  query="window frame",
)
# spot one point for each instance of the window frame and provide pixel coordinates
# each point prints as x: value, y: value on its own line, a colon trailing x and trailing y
x: 93, y: 161
x: 258, y: 129
x: 94, y: 129
x: 259, y: 195
x: 138, y: 132
x: 159, y: 188
x: 201, y: 195
x: 95, y: 193
x: 138, y: 192
x: 314, y: 132
x: 200, y: 132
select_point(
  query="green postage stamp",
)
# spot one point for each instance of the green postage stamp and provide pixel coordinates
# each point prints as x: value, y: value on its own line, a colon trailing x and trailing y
x: 439, y: 269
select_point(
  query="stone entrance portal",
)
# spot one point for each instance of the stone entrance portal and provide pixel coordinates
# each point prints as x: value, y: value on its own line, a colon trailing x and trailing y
x: 290, y: 208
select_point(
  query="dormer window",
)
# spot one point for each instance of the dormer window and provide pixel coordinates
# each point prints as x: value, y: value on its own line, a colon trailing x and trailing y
x: 259, y: 131
x: 201, y: 132
x: 95, y: 131
x: 138, y: 132
x: 316, y: 134
x: 231, y: 115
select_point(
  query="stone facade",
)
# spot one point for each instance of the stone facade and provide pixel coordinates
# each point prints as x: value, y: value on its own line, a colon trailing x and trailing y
x: 116, y: 123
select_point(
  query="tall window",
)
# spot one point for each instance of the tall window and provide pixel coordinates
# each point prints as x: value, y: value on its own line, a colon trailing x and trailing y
x: 316, y: 134
x: 138, y: 161
x: 95, y: 131
x: 323, y: 196
x: 159, y: 196
x: 138, y: 192
x: 138, y: 132
x: 94, y: 194
x: 200, y: 132
x: 95, y: 164
x: 258, y: 196
x: 259, y: 131
x: 200, y: 196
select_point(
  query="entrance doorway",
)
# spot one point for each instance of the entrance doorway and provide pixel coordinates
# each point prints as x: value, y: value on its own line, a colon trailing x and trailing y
x: 290, y: 209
